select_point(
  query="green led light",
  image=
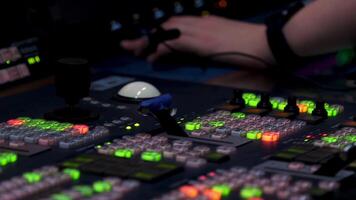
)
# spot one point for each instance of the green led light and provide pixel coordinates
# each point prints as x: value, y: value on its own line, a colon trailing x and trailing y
x: 84, y: 190
x: 31, y: 60
x: 151, y: 156
x: 8, y: 62
x: 38, y: 59
x: 124, y: 153
x: 248, y: 96
x: 224, y: 190
x: 282, y: 105
x: 329, y: 139
x: 128, y: 128
x: 102, y: 186
x: 217, y: 124
x: 136, y: 125
x: 32, y: 177
x: 274, y: 103
x: 351, y: 138
x: 7, y: 158
x: 192, y: 126
x: 61, y: 197
x: 250, y: 192
x: 238, y: 115
x: 254, y: 135
x: 254, y: 102
x: 73, y: 173
x: 98, y: 146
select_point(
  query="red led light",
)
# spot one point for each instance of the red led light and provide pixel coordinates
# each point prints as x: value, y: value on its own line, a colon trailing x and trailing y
x: 212, y: 174
x: 222, y: 3
x: 270, y: 136
x: 202, y: 178
x: 15, y: 122
x: 189, y: 191
x: 81, y: 129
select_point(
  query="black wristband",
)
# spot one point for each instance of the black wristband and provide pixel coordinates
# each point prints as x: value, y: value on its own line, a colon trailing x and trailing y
x: 278, y: 43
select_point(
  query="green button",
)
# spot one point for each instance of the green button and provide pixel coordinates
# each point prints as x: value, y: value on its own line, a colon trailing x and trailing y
x: 102, y: 186
x: 329, y: 139
x: 124, y: 153
x: 151, y: 156
x: 32, y: 177
x: 192, y: 126
x: 238, y: 115
x: 61, y: 197
x: 217, y: 124
x: 254, y: 102
x: 351, y: 138
x: 224, y: 190
x: 73, y: 173
x: 250, y: 192
x: 254, y: 135
x: 84, y: 190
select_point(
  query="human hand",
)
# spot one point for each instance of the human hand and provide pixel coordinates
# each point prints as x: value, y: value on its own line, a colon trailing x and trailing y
x: 208, y: 35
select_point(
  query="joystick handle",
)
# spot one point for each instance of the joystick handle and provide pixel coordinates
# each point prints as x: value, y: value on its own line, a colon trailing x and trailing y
x: 72, y: 79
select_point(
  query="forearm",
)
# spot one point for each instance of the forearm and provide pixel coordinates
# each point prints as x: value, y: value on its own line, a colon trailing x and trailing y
x: 323, y: 26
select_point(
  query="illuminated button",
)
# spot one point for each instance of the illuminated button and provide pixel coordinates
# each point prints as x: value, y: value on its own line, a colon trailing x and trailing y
x: 329, y: 139
x: 238, y: 115
x: 254, y: 102
x: 61, y: 196
x: 253, y: 135
x: 7, y: 158
x: 224, y: 190
x: 102, y: 186
x: 84, y: 190
x: 270, y: 136
x: 15, y: 122
x: 217, y: 124
x: 212, y: 195
x: 282, y: 105
x: 151, y: 156
x: 128, y: 128
x: 192, y: 126
x: 189, y: 191
x: 81, y: 129
x: 32, y: 177
x: 250, y: 192
x: 124, y: 153
x: 303, y: 108
x: 136, y: 125
x: 351, y: 138
x: 73, y: 173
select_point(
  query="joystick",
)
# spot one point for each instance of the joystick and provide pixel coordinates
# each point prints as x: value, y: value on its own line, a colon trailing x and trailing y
x: 237, y: 99
x: 265, y: 102
x: 292, y: 107
x: 320, y: 109
x: 72, y: 82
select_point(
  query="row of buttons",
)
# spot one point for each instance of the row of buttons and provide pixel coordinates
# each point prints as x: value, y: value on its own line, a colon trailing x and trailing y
x: 155, y: 147
x: 248, y: 184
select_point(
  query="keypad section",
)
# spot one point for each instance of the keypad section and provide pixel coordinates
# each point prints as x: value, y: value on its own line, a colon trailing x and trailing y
x: 156, y: 148
x: 335, y: 139
x: 33, y: 183
x: 225, y: 125
x: 110, y: 188
x: 23, y: 133
x: 241, y: 183
x: 148, y: 167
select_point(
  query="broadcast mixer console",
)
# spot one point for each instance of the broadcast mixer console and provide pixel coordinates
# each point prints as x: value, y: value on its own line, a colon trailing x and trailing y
x: 200, y: 142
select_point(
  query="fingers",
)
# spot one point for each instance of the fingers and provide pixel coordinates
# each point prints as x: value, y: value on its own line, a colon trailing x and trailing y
x: 135, y: 46
x: 162, y: 50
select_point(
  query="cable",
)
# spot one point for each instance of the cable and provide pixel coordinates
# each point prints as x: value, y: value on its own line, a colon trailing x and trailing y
x: 212, y: 56
x: 266, y: 63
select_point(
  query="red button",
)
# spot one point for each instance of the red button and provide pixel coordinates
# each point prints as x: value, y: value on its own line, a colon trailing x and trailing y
x: 15, y: 122
x: 81, y: 129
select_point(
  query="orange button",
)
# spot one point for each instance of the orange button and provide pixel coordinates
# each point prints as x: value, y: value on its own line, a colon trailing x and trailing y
x: 15, y: 122
x: 189, y: 191
x: 270, y: 136
x: 212, y: 195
